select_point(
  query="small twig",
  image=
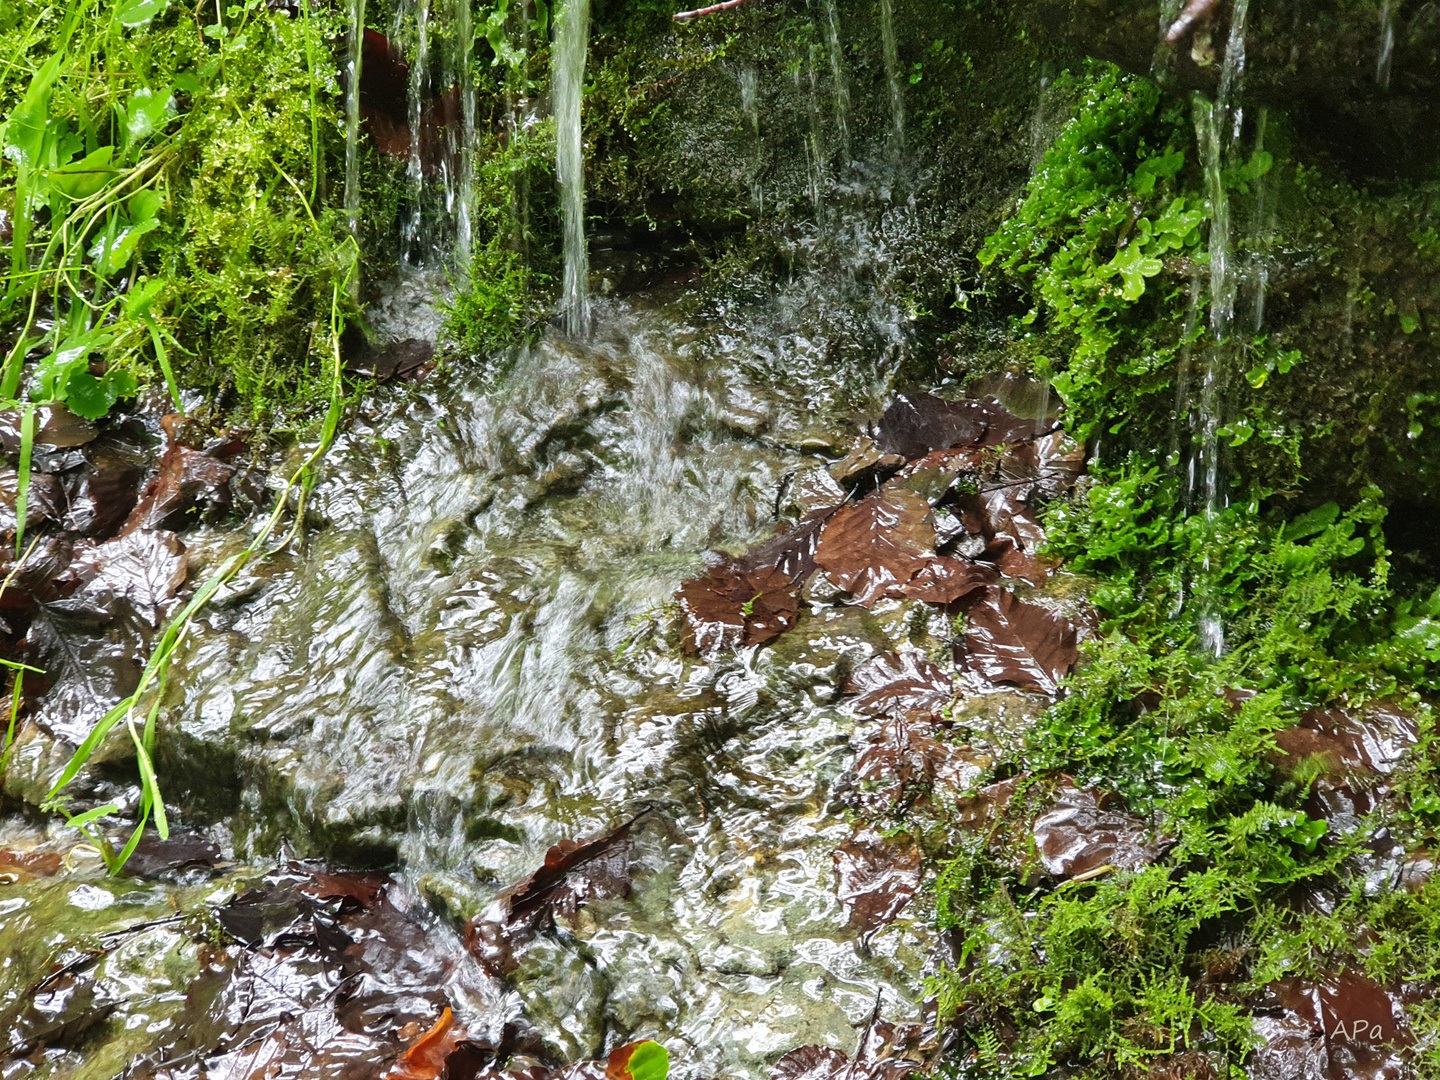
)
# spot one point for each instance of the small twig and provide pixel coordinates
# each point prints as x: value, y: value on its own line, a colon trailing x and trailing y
x: 1194, y: 12
x: 711, y: 10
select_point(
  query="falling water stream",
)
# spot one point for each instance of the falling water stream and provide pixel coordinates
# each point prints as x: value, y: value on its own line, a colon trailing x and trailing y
x: 572, y: 42
x: 1218, y: 128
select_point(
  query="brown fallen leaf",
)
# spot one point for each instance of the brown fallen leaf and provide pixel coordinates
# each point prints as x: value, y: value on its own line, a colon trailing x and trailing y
x: 916, y: 424
x: 895, y: 683
x: 886, y: 1052
x: 733, y: 606
x: 943, y: 580
x: 882, y: 541
x: 186, y: 477
x: 141, y: 569
x: 1358, y: 745
x: 875, y: 877
x: 102, y: 495
x: 1010, y: 641
x: 31, y: 863
x: 793, y: 551
x: 902, y: 762
x: 574, y: 871
x: 1342, y: 1025
x: 1085, y: 829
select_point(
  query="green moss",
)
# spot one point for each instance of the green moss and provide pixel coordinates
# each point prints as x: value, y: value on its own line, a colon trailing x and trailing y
x: 1130, y: 969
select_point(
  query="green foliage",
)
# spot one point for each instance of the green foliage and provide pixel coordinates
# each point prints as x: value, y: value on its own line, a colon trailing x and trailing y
x: 1123, y: 971
x: 166, y: 184
x: 1101, y: 216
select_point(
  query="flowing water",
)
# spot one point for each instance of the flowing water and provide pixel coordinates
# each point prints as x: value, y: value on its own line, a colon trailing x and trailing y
x: 890, y: 48
x: 475, y: 657
x: 1219, y: 126
x: 572, y: 42
x: 467, y: 664
x: 354, y: 52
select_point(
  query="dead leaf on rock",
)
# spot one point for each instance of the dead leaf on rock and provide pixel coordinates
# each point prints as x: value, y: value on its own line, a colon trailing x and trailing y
x: 1344, y: 1025
x: 943, y: 580
x: 933, y: 475
x: 186, y: 478
x: 101, y: 496
x: 895, y: 683
x: 733, y: 606
x: 142, y: 569
x: 1010, y: 641
x: 426, y: 1057
x: 1357, y: 745
x: 792, y: 552
x: 882, y: 541
x: 915, y: 424
x: 1084, y: 830
x: 574, y: 871
x: 902, y: 761
x: 31, y: 864
x: 886, y: 1052
x: 875, y: 877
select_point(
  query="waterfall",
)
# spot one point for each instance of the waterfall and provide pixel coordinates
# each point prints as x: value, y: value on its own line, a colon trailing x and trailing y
x: 891, y: 49
x: 841, y: 84
x: 1218, y: 127
x: 463, y: 58
x: 411, y: 240
x: 352, y: 114
x: 1387, y: 46
x: 750, y: 106
x: 572, y: 42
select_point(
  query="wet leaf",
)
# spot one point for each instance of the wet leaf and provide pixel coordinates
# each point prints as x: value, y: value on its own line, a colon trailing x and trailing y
x: 886, y: 1052
x: 916, y: 424
x: 1357, y: 745
x: 894, y: 683
x: 574, y: 871
x: 186, y: 478
x: 644, y: 1060
x: 792, y: 552
x: 156, y: 858
x: 143, y: 570
x: 880, y: 542
x: 30, y: 863
x: 875, y: 877
x: 55, y: 426
x: 1084, y: 830
x: 1010, y: 641
x: 426, y: 1057
x: 1344, y: 1025
x: 733, y: 606
x: 902, y: 762
x: 943, y: 580
x: 103, y: 493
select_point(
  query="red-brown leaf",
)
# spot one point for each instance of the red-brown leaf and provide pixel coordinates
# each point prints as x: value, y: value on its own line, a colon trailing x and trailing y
x: 893, y: 683
x: 1009, y: 641
x: 944, y: 580
x: 573, y: 871
x: 732, y: 606
x: 878, y: 543
x: 875, y: 877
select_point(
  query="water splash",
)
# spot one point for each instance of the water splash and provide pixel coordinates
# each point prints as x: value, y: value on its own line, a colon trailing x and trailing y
x: 572, y: 43
x: 464, y: 187
x: 890, y: 49
x: 412, y: 243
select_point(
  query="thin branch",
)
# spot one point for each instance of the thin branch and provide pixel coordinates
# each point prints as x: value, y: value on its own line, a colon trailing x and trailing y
x: 711, y: 10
